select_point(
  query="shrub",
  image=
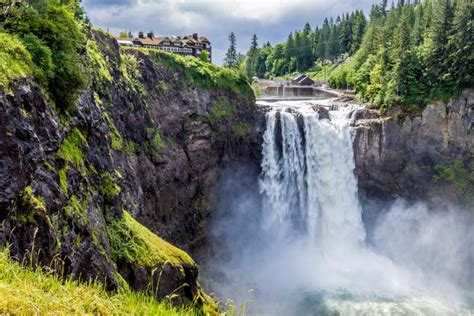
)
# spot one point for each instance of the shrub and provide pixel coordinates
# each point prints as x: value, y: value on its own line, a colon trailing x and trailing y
x: 204, y: 56
x: 41, y: 56
x: 56, y: 24
x: 15, y: 61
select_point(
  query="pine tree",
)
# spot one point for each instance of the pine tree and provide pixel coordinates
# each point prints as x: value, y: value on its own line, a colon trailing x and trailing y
x: 406, y: 85
x: 436, y: 52
x: 289, y: 50
x: 231, y: 58
x: 461, y: 45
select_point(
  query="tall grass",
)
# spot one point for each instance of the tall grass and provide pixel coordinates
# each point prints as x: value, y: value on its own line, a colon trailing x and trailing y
x: 25, y: 292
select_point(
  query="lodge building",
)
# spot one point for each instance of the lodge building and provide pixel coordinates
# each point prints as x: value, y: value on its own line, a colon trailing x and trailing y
x: 188, y: 45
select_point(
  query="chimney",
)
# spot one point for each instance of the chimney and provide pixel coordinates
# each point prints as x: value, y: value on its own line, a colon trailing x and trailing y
x: 195, y: 36
x: 151, y: 34
x: 140, y: 34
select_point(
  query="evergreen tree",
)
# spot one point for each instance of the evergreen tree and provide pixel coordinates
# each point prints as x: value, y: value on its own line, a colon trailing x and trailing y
x: 461, y: 44
x: 252, y: 56
x: 231, y: 57
x: 402, y: 72
x: 436, y: 52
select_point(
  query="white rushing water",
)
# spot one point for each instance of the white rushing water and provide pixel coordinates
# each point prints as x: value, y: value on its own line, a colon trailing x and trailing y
x: 306, y: 177
x: 304, y: 249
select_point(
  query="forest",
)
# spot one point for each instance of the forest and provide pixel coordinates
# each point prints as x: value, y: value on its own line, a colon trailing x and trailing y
x: 407, y: 54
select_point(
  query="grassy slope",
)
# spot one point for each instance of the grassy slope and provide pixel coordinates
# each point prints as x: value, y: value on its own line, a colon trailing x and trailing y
x: 23, y: 291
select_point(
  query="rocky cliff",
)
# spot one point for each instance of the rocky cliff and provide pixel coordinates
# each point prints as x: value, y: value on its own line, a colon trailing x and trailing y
x: 145, y: 144
x: 424, y: 157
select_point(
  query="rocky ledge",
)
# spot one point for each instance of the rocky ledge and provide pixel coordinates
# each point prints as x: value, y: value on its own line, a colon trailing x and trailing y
x: 422, y: 157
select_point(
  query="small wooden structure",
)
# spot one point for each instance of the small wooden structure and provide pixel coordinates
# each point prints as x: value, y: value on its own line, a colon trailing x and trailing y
x: 302, y: 80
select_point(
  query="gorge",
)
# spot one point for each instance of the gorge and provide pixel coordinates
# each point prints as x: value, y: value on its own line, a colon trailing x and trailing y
x: 304, y: 244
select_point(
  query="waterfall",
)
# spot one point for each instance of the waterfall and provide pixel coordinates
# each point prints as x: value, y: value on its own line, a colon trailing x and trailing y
x: 308, y: 176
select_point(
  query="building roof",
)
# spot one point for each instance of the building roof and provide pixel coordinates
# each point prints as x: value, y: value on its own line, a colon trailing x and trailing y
x: 179, y: 41
x: 299, y: 77
x: 305, y: 81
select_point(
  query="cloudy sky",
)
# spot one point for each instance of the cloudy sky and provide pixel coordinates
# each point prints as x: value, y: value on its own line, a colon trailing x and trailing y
x: 271, y: 20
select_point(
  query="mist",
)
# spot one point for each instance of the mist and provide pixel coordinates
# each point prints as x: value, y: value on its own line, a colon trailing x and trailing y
x: 409, y: 259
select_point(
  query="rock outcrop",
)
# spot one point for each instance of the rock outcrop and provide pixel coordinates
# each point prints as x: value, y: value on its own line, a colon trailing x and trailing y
x: 149, y: 139
x: 400, y: 156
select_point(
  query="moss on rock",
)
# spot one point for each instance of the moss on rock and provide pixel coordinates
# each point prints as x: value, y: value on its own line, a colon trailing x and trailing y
x: 109, y: 188
x: 241, y: 129
x: 131, y: 241
x: 222, y: 109
x: 71, y: 149
x: 76, y: 208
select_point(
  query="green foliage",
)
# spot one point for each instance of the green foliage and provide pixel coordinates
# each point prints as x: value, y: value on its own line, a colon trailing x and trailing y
x: 58, y: 24
x: 130, y: 148
x: 405, y: 56
x: 204, y: 56
x: 42, y: 58
x: 15, y: 61
x: 231, y: 58
x: 30, y: 206
x: 109, y: 188
x: 71, y: 148
x: 71, y: 151
x: 116, y: 140
x: 24, y: 291
x: 205, y: 75
x: 63, y: 178
x: 340, y: 76
x: 241, y: 129
x: 131, y: 72
x: 461, y: 174
x: 99, y: 64
x: 132, y: 242
x: 222, y: 109
x: 305, y: 47
x: 256, y: 89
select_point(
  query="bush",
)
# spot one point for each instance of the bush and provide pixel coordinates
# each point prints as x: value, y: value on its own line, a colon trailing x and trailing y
x: 204, y: 56
x: 41, y: 56
x: 15, y: 61
x: 55, y: 24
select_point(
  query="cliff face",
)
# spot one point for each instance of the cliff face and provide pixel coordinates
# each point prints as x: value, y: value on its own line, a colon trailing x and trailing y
x: 398, y: 157
x: 149, y: 139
